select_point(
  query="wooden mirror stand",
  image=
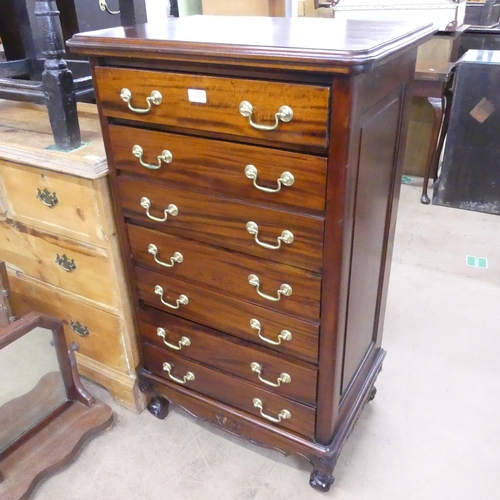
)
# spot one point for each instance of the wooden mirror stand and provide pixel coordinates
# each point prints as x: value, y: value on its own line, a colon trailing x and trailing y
x: 45, y: 412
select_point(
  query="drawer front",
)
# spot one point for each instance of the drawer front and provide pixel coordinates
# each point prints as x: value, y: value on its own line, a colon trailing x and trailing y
x: 224, y: 223
x: 262, y: 367
x: 205, y: 307
x: 98, y: 333
x: 220, y: 111
x: 228, y: 272
x: 36, y: 254
x: 51, y: 201
x: 219, y: 168
x: 229, y: 389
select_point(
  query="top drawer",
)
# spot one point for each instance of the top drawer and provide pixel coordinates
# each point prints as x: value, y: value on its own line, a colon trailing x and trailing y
x: 213, y: 104
x: 55, y: 202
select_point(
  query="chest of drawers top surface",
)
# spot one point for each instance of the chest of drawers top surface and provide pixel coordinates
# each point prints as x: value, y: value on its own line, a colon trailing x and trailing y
x: 301, y: 43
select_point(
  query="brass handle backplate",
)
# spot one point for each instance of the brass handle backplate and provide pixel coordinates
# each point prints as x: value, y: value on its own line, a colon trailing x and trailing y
x: 284, y: 335
x: 285, y: 179
x: 285, y: 114
x: 182, y: 300
x: 176, y: 258
x: 283, y: 378
x: 154, y: 98
x: 47, y: 198
x: 286, y: 237
x: 165, y: 156
x: 184, y: 342
x: 65, y: 263
x: 189, y: 377
x: 170, y: 210
x: 104, y: 7
x: 79, y: 329
x: 284, y: 289
x: 283, y: 414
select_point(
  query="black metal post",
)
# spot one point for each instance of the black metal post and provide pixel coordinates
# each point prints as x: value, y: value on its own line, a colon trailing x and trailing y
x: 57, y: 79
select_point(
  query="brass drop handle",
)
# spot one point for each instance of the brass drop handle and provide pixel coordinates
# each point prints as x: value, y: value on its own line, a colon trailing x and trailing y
x: 176, y: 258
x: 170, y: 210
x: 47, y: 198
x: 64, y: 262
x: 181, y: 301
x: 284, y: 289
x: 286, y: 179
x: 283, y: 414
x: 104, y: 7
x: 286, y: 237
x: 184, y: 342
x: 166, y: 156
x: 189, y: 377
x: 79, y: 329
x: 154, y: 98
x: 283, y: 378
x: 284, y: 335
x: 285, y: 114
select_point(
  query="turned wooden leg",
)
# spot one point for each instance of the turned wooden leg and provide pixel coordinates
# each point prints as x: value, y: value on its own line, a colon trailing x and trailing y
x: 158, y: 407
x: 434, y: 151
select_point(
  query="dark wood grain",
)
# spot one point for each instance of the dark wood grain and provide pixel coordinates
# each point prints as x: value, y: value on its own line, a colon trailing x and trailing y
x: 222, y: 222
x: 366, y: 68
x: 305, y: 44
x: 219, y: 168
x: 230, y: 390
x: 220, y: 113
x: 299, y: 305
x: 227, y: 272
x: 231, y: 356
x: 216, y: 310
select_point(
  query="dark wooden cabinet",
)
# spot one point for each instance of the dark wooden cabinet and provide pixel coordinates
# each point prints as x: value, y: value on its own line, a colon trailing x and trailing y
x: 255, y: 181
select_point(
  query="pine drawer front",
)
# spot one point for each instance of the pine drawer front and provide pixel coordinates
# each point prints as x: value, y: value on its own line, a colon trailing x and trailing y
x: 225, y: 223
x: 206, y: 308
x: 212, y: 104
x: 98, y: 333
x: 228, y: 272
x: 52, y: 201
x: 68, y: 264
x: 271, y: 177
x: 288, y: 295
x: 280, y: 375
x: 229, y: 389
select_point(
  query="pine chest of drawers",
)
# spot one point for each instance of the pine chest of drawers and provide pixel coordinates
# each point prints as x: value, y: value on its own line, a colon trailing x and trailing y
x: 255, y: 169
x: 58, y: 239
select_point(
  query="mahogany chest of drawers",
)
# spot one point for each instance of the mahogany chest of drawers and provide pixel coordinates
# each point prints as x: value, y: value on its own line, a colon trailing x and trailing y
x: 255, y: 169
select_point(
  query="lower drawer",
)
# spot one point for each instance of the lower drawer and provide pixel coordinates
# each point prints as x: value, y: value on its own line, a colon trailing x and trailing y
x: 80, y: 268
x: 236, y: 317
x: 98, y: 333
x: 230, y: 390
x: 263, y: 367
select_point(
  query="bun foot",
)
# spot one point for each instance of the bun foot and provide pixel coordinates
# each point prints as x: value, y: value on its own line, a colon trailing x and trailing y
x: 158, y: 407
x: 320, y: 481
x: 373, y: 393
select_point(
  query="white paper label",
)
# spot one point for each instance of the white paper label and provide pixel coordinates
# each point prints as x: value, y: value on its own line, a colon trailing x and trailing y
x: 196, y: 95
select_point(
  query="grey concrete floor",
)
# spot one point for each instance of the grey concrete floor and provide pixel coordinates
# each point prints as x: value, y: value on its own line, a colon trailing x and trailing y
x: 432, y: 432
